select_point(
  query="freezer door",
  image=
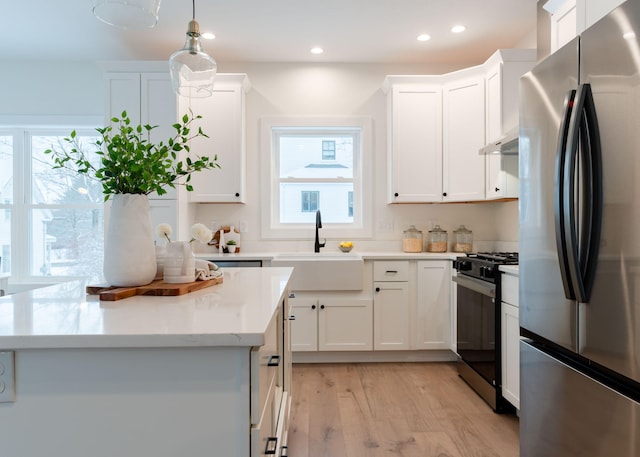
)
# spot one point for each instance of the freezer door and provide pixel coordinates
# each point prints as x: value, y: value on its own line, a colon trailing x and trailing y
x: 564, y: 413
x: 610, y: 63
x: 544, y: 308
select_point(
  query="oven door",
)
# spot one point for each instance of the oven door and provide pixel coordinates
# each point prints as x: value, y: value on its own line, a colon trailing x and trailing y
x: 476, y: 326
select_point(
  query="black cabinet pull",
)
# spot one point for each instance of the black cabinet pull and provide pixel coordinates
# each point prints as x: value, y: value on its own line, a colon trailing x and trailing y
x: 321, y: 306
x: 292, y: 295
x: 395, y: 272
x: 237, y: 194
x: 272, y: 445
x: 292, y: 318
x: 377, y: 289
x: 313, y: 306
x: 284, y: 451
x: 444, y: 194
x: 396, y: 194
x: 274, y: 361
x: 497, y: 189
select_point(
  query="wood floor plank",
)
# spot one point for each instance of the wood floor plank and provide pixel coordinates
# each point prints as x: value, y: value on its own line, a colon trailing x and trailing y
x: 393, y: 409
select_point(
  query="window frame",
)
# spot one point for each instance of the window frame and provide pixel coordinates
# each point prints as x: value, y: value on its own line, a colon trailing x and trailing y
x: 22, y: 129
x: 361, y: 227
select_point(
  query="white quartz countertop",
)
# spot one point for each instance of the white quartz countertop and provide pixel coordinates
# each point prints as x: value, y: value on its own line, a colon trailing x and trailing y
x: 509, y: 269
x: 234, y: 313
x: 366, y: 255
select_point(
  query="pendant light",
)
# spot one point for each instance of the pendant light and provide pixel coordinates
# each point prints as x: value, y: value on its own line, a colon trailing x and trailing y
x: 128, y: 14
x: 192, y: 69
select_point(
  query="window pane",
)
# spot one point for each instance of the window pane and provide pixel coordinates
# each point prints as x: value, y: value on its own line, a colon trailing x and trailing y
x: 62, y: 186
x: 5, y: 240
x: 302, y: 157
x: 332, y: 198
x: 67, y: 242
x: 6, y: 169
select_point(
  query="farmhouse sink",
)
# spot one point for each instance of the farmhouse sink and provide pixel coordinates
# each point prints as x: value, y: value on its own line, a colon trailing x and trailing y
x: 322, y: 271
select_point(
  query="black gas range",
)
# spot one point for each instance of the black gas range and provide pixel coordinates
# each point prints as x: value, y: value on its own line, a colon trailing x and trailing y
x: 479, y: 335
x: 484, y: 265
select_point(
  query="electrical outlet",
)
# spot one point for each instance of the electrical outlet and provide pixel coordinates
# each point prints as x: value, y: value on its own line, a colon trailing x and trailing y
x: 7, y: 377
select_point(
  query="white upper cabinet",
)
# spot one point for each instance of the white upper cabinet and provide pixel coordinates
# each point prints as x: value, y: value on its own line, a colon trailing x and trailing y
x: 415, y: 142
x: 148, y: 98
x: 463, y: 135
x: 591, y: 11
x: 223, y: 120
x: 503, y: 71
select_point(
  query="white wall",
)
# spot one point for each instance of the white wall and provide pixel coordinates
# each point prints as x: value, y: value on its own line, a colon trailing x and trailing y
x: 77, y: 89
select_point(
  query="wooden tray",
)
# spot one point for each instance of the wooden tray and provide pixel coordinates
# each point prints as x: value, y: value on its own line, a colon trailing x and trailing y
x: 156, y: 288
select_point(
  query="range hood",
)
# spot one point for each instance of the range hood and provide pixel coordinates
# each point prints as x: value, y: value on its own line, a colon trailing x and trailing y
x: 507, y: 145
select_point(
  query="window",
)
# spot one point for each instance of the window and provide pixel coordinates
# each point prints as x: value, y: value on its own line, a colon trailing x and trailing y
x: 310, y: 201
x: 53, y: 218
x: 328, y: 150
x: 316, y: 164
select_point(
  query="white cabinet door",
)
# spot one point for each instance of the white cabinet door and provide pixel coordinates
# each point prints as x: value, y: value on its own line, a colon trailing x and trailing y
x: 224, y: 122
x: 304, y: 328
x: 511, y: 354
x: 493, y: 88
x: 591, y: 11
x: 415, y: 143
x: 391, y: 316
x: 148, y: 98
x: 433, y: 320
x: 345, y: 324
x: 463, y: 136
x: 502, y: 176
x: 564, y: 22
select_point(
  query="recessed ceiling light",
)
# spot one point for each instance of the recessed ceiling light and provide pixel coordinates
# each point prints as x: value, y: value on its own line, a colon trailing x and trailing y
x: 424, y: 37
x: 458, y: 28
x: 208, y: 36
x: 317, y: 50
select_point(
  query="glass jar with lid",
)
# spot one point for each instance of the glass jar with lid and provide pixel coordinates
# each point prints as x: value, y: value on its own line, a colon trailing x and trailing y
x: 462, y: 239
x: 412, y: 240
x: 437, y: 240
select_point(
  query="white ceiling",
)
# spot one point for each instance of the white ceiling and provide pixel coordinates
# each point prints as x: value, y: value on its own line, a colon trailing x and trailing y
x: 373, y: 31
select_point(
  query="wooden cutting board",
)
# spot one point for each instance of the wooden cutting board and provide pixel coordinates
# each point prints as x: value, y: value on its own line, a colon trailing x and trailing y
x: 156, y: 288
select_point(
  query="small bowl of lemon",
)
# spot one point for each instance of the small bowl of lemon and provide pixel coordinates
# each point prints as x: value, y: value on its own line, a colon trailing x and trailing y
x: 345, y: 246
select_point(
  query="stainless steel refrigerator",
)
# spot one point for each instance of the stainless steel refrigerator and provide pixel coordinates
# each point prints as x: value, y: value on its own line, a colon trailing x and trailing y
x: 580, y: 245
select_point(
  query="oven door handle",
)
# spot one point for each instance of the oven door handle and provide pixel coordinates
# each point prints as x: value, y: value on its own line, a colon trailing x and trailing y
x: 477, y: 285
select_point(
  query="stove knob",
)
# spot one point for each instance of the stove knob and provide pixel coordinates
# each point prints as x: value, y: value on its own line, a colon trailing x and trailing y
x: 487, y: 272
x: 464, y: 265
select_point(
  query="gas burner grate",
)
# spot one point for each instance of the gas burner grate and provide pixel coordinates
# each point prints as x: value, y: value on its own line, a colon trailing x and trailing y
x: 504, y: 258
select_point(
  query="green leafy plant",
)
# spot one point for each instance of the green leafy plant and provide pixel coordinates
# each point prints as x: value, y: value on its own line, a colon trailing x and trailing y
x: 129, y: 163
x: 231, y: 242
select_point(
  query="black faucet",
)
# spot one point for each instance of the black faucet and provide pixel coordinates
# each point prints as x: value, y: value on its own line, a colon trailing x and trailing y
x: 317, y: 245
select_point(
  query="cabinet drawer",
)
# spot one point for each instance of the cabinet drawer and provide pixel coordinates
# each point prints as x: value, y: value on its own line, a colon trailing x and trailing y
x: 264, y: 367
x: 391, y: 271
x: 263, y: 434
x: 510, y: 289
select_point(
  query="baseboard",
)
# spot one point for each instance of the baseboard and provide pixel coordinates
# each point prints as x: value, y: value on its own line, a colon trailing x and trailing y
x: 374, y: 356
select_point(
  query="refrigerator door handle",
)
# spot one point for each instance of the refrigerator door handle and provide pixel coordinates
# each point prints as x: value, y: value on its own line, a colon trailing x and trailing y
x: 593, y: 202
x: 582, y: 194
x: 559, y: 195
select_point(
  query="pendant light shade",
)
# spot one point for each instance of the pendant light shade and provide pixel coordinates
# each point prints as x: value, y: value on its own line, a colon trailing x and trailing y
x: 192, y: 70
x: 128, y: 14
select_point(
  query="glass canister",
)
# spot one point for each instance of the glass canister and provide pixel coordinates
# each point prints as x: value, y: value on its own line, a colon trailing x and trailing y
x: 462, y: 239
x: 437, y: 240
x: 412, y: 240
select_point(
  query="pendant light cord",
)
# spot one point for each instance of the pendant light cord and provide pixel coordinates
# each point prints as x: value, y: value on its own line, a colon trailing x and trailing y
x: 194, y: 10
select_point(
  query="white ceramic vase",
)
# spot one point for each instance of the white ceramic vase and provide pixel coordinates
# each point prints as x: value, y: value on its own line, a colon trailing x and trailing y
x: 129, y: 252
x: 179, y: 263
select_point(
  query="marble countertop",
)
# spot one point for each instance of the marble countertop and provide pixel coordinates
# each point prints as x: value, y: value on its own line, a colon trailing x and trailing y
x: 234, y: 313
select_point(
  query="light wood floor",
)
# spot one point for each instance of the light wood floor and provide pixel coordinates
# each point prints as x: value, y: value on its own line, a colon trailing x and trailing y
x: 393, y: 409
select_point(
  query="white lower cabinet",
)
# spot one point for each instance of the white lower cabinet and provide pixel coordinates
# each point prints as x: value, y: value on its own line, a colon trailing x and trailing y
x: 270, y: 383
x: 391, y: 305
x: 331, y: 323
x: 433, y: 306
x: 510, y: 321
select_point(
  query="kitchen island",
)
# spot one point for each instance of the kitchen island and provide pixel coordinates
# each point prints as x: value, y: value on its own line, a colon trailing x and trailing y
x: 207, y: 373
